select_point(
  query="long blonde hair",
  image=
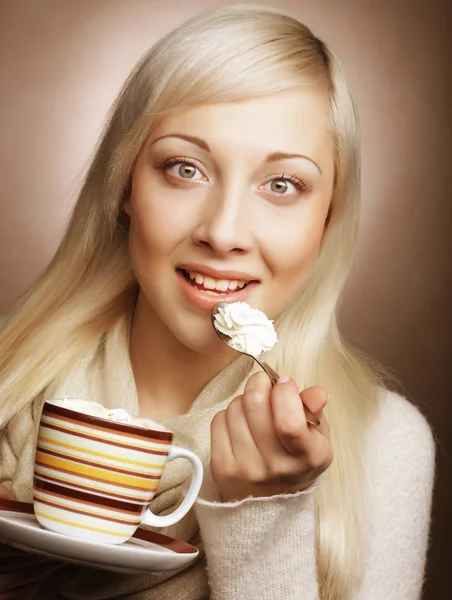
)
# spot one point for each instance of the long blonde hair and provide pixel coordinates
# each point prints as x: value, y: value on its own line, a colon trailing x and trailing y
x: 225, y: 55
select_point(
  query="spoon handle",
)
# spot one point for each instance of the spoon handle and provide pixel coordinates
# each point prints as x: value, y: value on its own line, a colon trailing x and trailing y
x: 310, y: 416
x: 267, y: 368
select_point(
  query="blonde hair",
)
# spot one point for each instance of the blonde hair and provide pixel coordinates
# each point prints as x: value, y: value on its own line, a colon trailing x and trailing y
x: 225, y: 55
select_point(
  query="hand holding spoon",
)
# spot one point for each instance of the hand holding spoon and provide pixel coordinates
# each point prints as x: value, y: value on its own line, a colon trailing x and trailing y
x: 310, y: 416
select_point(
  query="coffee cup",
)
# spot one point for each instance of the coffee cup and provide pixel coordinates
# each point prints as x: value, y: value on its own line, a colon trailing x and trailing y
x: 94, y: 477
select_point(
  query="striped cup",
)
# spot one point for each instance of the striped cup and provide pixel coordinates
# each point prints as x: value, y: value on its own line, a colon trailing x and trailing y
x: 94, y: 478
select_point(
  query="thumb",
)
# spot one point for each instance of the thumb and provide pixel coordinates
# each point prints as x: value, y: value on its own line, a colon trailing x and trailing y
x: 5, y: 493
x: 315, y: 398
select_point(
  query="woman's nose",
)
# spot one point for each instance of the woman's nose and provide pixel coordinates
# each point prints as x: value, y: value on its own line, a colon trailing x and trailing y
x: 225, y: 225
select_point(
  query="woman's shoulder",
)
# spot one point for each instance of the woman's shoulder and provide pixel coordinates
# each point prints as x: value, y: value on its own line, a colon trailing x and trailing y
x: 400, y: 416
x: 402, y: 434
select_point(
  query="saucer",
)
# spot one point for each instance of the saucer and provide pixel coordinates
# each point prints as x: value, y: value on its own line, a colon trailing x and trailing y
x: 145, y: 552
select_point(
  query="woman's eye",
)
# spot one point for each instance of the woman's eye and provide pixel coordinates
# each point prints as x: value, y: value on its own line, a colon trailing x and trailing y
x: 279, y: 186
x: 184, y: 170
x: 283, y: 186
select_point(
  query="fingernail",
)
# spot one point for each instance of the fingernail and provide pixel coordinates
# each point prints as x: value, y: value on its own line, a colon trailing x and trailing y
x: 283, y: 379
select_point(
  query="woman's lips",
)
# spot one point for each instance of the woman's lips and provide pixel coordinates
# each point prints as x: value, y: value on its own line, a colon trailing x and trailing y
x: 205, y: 301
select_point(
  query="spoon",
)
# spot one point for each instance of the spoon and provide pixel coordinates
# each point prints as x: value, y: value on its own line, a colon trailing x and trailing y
x: 310, y: 416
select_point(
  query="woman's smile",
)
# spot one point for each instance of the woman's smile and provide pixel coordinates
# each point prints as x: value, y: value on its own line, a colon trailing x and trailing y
x: 204, y: 290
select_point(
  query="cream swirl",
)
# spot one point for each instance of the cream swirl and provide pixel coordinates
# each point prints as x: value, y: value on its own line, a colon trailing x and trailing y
x: 249, y: 330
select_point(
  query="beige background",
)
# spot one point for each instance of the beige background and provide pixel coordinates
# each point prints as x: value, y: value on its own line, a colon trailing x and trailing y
x: 61, y: 63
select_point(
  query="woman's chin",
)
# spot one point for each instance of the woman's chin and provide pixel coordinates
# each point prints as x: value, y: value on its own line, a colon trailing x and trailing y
x: 203, y: 340
x: 210, y: 346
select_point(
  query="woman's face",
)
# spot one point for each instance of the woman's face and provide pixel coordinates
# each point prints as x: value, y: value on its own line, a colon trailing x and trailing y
x: 229, y: 202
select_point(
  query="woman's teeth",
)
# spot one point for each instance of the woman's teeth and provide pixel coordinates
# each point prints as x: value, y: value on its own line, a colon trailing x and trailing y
x: 215, y: 285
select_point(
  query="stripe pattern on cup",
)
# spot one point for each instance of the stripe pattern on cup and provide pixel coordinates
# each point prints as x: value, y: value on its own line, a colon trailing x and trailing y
x: 94, y: 478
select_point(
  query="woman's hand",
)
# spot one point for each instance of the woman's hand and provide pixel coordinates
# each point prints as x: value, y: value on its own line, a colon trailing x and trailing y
x: 262, y: 444
x: 5, y: 494
x: 21, y: 574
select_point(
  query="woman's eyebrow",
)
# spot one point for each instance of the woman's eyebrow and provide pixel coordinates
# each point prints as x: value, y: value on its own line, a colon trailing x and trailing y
x: 189, y: 138
x: 273, y: 157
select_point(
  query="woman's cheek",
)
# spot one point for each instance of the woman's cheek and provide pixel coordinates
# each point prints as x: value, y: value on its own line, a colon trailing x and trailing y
x: 295, y: 248
x: 290, y: 259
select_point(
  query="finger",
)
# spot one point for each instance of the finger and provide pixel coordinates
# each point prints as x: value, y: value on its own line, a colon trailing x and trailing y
x: 243, y: 445
x: 5, y: 493
x: 259, y: 381
x: 258, y: 412
x: 289, y: 418
x: 316, y: 398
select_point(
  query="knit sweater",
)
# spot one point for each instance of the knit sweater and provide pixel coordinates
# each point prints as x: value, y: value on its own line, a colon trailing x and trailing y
x: 260, y: 548
x: 263, y: 549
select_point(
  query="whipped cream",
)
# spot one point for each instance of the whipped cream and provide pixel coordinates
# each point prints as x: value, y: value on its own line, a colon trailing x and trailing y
x: 112, y: 414
x: 249, y: 329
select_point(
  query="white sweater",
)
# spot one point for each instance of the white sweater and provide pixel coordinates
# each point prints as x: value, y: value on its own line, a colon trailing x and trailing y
x: 264, y: 549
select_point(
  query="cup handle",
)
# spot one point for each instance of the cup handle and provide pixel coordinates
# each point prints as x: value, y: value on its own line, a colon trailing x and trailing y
x: 195, y: 485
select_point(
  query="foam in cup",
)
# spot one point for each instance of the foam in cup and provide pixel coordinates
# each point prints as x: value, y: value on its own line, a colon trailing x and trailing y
x: 119, y: 415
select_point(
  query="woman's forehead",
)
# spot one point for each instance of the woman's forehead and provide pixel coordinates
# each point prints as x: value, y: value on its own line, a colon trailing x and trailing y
x: 289, y: 122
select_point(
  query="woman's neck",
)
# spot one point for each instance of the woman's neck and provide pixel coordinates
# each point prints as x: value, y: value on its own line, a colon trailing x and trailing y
x: 168, y: 375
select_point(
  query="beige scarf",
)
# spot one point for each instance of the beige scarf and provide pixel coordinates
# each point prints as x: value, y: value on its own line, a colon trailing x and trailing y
x: 107, y: 377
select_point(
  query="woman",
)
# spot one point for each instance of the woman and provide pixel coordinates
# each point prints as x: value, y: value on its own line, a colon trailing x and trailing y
x: 229, y: 168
